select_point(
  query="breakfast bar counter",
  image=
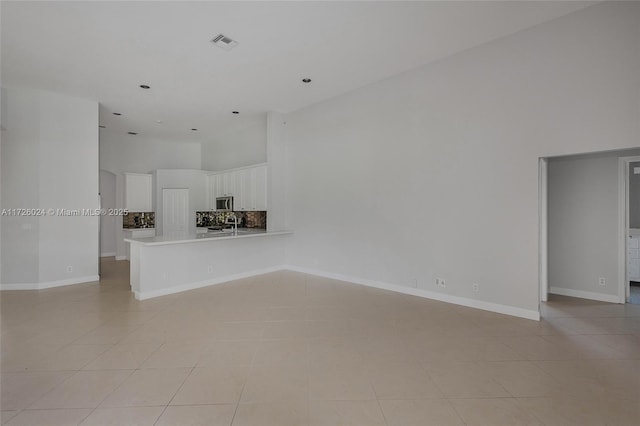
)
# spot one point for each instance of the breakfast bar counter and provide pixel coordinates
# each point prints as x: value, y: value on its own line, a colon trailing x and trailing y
x: 190, y: 238
x: 168, y: 264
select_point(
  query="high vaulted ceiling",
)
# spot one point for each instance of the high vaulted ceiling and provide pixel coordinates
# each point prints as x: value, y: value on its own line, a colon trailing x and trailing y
x: 105, y: 50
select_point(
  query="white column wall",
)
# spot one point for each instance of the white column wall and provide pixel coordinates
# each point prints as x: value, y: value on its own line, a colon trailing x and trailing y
x: 50, y: 161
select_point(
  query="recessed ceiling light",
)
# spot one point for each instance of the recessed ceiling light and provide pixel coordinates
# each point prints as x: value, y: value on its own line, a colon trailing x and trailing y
x: 132, y: 133
x: 194, y: 130
x: 306, y: 80
x: 145, y: 86
x: 116, y: 113
x: 102, y: 127
x: 235, y: 112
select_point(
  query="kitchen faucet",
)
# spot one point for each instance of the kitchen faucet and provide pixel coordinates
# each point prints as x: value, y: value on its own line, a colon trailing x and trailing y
x: 232, y: 216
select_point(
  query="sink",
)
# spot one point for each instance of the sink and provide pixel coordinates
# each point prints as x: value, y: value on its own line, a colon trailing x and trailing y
x: 228, y: 232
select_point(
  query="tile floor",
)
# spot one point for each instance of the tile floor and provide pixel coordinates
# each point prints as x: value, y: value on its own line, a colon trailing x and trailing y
x: 289, y: 349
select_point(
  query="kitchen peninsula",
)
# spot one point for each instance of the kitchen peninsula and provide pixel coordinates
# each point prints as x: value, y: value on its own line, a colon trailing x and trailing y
x: 168, y: 264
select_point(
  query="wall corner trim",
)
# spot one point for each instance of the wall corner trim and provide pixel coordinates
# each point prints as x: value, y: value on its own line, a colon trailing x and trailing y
x: 447, y: 298
x: 611, y: 298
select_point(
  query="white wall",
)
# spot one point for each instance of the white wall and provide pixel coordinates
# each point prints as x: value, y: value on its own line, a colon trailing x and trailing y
x: 583, y: 225
x: 276, y: 172
x: 434, y: 172
x: 20, y: 185
x: 50, y: 161
x: 139, y: 154
x: 108, y: 222
x: 239, y: 148
x: 193, y: 180
x: 120, y: 153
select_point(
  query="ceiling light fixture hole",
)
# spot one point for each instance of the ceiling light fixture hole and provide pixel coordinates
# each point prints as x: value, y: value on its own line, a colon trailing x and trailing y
x: 306, y: 80
x: 145, y: 86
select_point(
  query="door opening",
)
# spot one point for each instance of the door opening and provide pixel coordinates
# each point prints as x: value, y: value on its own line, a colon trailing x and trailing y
x: 629, y: 228
x: 589, y: 239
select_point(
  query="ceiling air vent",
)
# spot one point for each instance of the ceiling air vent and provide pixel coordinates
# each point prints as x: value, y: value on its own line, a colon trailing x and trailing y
x: 224, y: 42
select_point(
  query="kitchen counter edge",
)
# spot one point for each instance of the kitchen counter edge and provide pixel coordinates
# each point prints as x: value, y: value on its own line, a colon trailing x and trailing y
x: 161, y: 240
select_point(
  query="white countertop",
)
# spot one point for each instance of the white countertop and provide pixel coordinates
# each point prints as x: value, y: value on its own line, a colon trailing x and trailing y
x: 138, y: 229
x: 209, y: 236
x: 634, y: 232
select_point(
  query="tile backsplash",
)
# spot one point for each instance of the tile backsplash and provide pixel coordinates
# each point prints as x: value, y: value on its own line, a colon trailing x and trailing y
x: 136, y: 220
x: 245, y: 219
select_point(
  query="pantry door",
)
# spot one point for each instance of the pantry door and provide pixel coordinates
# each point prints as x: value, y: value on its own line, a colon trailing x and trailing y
x: 175, y: 211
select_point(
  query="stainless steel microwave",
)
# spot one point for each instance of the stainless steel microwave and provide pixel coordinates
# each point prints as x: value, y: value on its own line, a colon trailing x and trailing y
x: 224, y: 204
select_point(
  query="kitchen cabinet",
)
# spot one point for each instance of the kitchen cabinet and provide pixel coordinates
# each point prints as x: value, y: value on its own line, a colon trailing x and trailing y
x: 254, y: 189
x: 246, y: 194
x: 633, y: 258
x: 260, y: 188
x: 247, y: 186
x: 229, y: 183
x: 212, y: 191
x: 217, y: 186
x: 137, y: 192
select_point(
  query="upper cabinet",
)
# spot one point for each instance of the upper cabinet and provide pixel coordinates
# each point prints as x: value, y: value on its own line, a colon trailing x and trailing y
x: 247, y: 186
x: 137, y: 192
x: 259, y: 185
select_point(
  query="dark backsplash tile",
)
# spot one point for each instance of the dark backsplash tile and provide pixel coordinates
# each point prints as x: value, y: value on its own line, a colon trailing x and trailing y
x: 137, y: 220
x: 245, y: 219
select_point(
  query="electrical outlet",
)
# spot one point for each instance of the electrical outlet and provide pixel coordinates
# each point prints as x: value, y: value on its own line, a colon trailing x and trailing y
x: 475, y: 287
x: 602, y: 281
x: 210, y: 269
x: 440, y: 282
x: 69, y: 268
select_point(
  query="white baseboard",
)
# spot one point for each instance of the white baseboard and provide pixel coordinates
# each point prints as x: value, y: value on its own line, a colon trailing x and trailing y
x: 50, y: 284
x: 456, y: 300
x: 140, y: 295
x: 121, y: 257
x: 108, y: 254
x: 585, y: 294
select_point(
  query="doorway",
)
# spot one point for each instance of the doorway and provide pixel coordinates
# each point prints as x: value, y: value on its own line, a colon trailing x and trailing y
x: 629, y: 204
x: 175, y: 211
x: 584, y: 227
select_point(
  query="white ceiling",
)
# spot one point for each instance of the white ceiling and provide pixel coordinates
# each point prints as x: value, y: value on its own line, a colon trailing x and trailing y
x: 105, y: 50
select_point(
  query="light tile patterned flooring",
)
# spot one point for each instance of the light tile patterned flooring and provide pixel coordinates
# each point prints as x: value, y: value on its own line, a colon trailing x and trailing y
x: 290, y: 349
